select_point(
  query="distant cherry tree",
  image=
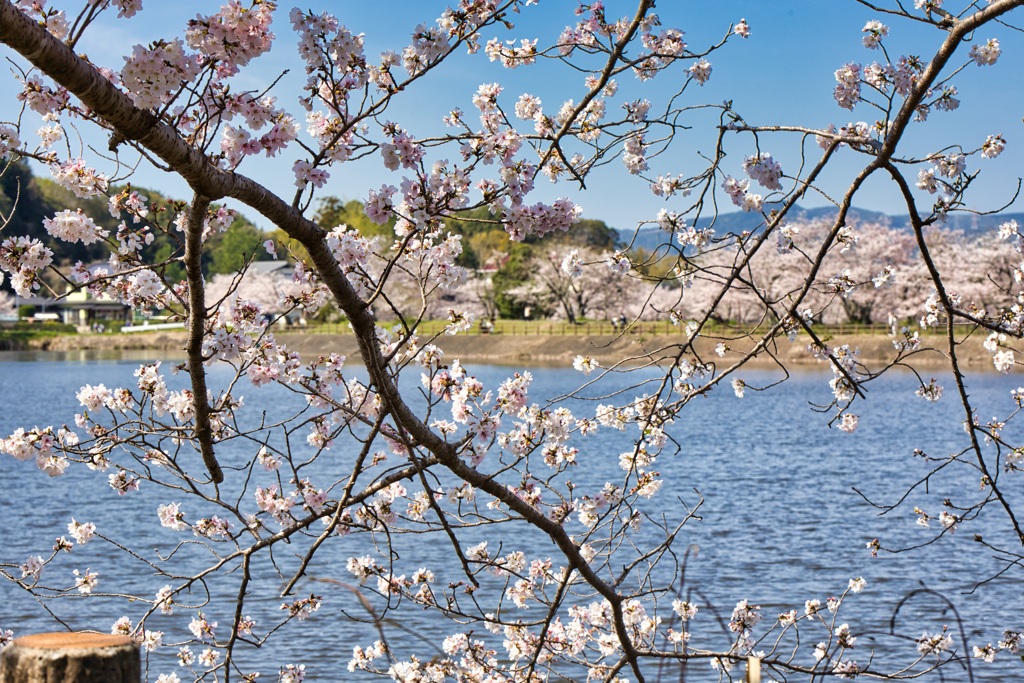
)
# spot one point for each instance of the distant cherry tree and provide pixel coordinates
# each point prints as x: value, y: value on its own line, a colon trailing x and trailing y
x: 7, y: 305
x: 576, y: 284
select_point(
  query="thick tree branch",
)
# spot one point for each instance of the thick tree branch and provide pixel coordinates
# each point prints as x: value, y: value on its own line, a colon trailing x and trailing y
x: 196, y: 332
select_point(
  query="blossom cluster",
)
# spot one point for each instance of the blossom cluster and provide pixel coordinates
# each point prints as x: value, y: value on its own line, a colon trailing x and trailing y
x: 155, y: 75
x: 738, y: 191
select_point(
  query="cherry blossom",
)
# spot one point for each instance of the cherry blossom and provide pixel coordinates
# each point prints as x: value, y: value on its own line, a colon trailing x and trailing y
x: 153, y: 76
x: 235, y: 35
x: 82, y: 533
x: 41, y: 98
x: 765, y: 170
x: 74, y: 175
x: 993, y: 146
x: 847, y: 91
x: 701, y: 71
x: 9, y: 140
x: 874, y: 31
x: 74, y: 226
x: 987, y: 54
x: 171, y: 517
x: 86, y: 581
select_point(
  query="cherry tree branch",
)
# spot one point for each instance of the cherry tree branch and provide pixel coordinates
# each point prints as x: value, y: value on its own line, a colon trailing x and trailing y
x: 951, y: 343
x: 196, y: 331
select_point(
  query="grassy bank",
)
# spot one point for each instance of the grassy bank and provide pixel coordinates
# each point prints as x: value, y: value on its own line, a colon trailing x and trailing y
x: 30, y: 335
x: 542, y: 343
x: 25, y: 332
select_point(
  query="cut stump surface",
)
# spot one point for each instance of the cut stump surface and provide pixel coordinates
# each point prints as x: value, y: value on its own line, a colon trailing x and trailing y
x: 71, y: 657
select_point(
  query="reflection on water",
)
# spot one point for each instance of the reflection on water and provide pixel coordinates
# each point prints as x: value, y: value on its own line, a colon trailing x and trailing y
x: 89, y: 355
x: 780, y: 520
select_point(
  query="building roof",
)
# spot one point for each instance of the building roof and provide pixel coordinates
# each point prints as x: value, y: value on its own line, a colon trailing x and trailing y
x: 269, y: 266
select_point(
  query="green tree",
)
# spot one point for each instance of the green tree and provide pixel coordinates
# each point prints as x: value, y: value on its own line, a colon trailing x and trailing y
x: 588, y: 232
x: 513, y: 274
x: 469, y: 223
x: 175, y: 270
x: 489, y: 246
x: 233, y: 249
x: 332, y: 212
x: 18, y: 188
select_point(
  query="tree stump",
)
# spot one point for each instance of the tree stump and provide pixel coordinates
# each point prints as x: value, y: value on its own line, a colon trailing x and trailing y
x: 71, y: 658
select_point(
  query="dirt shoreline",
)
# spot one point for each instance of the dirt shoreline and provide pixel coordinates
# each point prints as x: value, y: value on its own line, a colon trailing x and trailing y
x: 544, y: 349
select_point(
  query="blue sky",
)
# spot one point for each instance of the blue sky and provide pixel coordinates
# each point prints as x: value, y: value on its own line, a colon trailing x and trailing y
x: 782, y: 74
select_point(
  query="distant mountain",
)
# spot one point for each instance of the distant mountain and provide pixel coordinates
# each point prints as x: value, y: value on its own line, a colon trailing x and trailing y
x: 971, y: 224
x: 737, y: 221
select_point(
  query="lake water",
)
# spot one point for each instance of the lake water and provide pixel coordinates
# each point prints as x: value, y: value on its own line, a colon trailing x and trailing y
x: 780, y: 524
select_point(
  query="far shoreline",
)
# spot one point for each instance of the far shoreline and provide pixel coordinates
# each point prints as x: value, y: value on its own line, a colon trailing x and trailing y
x: 537, y: 350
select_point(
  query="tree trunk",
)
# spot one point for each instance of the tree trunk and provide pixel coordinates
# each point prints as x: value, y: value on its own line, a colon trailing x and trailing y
x: 856, y: 312
x: 71, y: 658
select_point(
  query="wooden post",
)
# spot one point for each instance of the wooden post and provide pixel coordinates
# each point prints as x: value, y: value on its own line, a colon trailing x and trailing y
x: 753, y: 670
x: 71, y: 657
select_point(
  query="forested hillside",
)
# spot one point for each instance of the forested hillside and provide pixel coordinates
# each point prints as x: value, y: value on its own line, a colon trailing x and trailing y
x: 36, y: 198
